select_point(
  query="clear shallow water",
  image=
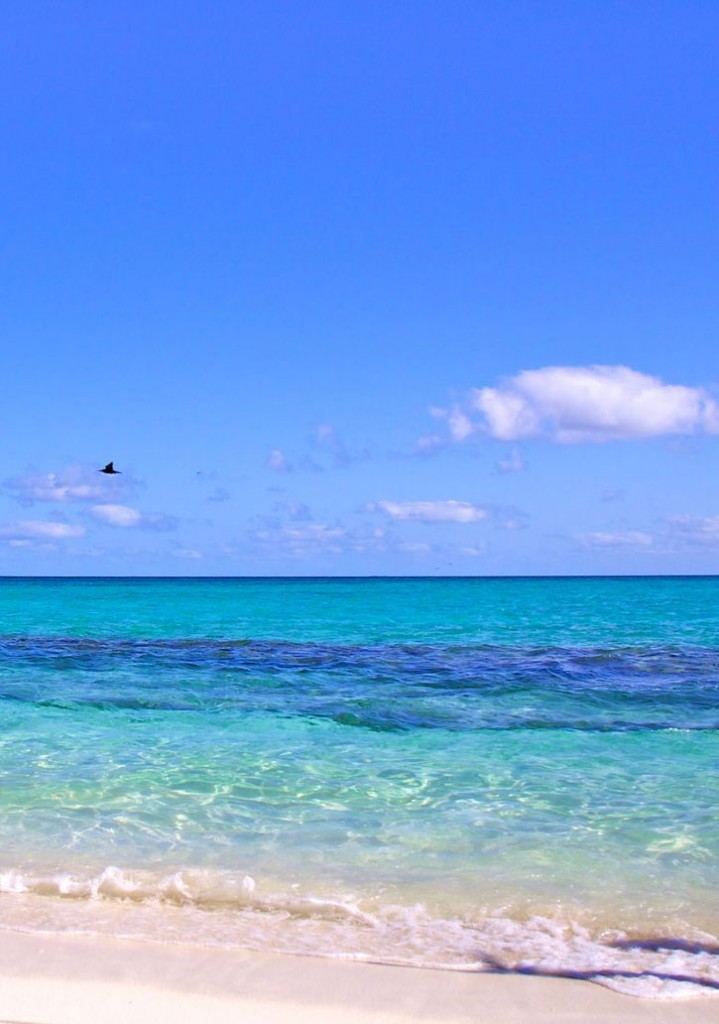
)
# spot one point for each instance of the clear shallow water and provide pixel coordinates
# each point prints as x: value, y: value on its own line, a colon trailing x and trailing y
x: 504, y: 774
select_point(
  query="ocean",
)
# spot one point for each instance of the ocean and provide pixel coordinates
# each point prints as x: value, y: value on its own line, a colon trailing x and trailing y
x: 510, y: 774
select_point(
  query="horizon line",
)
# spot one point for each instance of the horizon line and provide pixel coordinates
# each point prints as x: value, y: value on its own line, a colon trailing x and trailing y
x: 369, y: 576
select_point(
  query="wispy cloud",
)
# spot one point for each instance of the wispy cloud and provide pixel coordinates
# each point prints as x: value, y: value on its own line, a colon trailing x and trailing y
x: 74, y: 484
x: 278, y: 461
x: 473, y: 551
x: 432, y: 511
x: 619, y: 539
x: 34, y: 529
x: 219, y: 494
x: 429, y: 444
x: 325, y: 451
x: 414, y: 547
x: 574, y: 404
x: 673, y: 535
x: 328, y: 440
x: 326, y: 435
x: 296, y: 535
x: 512, y: 462
x: 302, y: 541
x: 38, y: 535
x: 702, y: 531
x: 297, y: 511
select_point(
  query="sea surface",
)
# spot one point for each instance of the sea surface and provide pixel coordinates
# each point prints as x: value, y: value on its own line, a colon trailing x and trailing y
x: 472, y: 774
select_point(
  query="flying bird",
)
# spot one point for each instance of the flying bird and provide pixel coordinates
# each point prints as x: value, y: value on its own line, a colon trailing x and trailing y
x: 109, y: 468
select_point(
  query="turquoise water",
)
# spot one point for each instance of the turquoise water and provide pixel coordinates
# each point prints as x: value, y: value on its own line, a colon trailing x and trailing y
x: 506, y: 774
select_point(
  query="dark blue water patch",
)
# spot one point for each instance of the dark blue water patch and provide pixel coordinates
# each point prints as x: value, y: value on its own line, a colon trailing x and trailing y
x: 385, y: 687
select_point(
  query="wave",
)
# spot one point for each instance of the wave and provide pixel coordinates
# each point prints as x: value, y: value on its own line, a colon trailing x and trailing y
x: 214, y: 908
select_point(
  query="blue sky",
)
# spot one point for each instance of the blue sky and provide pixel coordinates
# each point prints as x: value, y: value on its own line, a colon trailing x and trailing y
x: 360, y: 288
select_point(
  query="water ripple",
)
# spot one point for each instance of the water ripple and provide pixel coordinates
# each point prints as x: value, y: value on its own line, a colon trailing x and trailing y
x: 382, y: 687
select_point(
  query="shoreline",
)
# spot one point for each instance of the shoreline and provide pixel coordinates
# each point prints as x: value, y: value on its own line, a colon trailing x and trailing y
x: 51, y: 979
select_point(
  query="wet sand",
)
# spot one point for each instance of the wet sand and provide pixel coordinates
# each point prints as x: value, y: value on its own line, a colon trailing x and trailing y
x: 82, y: 980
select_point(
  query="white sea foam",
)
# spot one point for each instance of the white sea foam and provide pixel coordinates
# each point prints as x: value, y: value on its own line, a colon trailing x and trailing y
x: 198, y: 888
x: 219, y: 908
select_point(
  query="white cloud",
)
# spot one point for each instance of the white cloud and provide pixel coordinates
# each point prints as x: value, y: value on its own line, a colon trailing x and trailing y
x: 277, y: 460
x: 302, y: 541
x: 700, y: 530
x: 573, y: 404
x: 308, y: 539
x: 677, y: 533
x: 315, y: 532
x: 116, y: 515
x: 36, y: 529
x: 460, y: 425
x: 125, y: 516
x: 621, y: 539
x: 74, y: 484
x: 433, y: 511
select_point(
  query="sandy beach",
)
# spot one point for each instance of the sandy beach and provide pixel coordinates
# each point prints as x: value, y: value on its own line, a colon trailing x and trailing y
x: 397, y: 826
x: 80, y: 979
